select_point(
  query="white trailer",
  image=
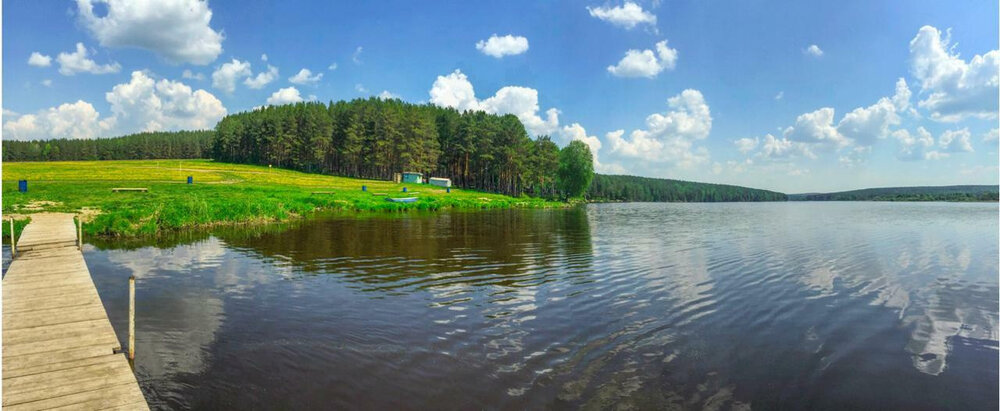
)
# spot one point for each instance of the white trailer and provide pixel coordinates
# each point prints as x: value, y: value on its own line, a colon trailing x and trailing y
x: 440, y: 182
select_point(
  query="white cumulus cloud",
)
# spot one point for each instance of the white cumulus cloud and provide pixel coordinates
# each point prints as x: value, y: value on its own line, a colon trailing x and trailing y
x: 305, y: 76
x: 816, y: 127
x: 814, y: 50
x: 225, y: 77
x: 783, y: 148
x: 263, y: 78
x: 955, y: 141
x: 497, y: 46
x: 386, y: 95
x: 178, y: 30
x: 913, y: 146
x: 668, y: 139
x: 992, y: 136
x: 746, y: 144
x: 954, y: 89
x: 142, y: 104
x: 645, y: 63
x: 864, y: 125
x: 68, y: 120
x: 145, y: 104
x: 39, y: 60
x: 285, y: 96
x: 455, y: 90
x: 78, y: 62
x: 628, y: 15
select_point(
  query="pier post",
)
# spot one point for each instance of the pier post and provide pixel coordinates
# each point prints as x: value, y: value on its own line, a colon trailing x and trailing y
x: 13, y: 241
x: 131, y: 317
x: 79, y: 232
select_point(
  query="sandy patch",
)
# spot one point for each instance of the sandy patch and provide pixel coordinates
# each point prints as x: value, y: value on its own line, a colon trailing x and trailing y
x: 37, y: 205
x: 88, y: 214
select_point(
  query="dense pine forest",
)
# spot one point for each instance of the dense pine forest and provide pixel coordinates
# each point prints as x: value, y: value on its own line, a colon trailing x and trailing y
x: 141, y: 146
x: 940, y: 193
x: 632, y: 188
x: 375, y: 138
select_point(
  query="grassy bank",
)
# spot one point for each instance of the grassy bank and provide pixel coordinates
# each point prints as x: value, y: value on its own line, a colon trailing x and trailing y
x: 223, y: 194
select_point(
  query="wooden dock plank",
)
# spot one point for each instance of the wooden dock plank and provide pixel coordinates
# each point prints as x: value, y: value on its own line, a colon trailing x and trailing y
x: 58, y: 344
x: 91, y: 328
x: 54, y: 316
x: 121, y: 396
x: 44, y: 368
x: 30, y: 361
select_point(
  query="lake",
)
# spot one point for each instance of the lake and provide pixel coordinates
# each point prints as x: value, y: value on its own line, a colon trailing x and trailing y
x: 653, y: 306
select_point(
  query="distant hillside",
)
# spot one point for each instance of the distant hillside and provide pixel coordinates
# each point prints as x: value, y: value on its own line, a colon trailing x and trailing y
x: 632, y: 188
x: 939, y: 193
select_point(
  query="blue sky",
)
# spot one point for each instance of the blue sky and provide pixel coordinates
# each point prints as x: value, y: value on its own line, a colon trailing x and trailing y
x: 792, y: 96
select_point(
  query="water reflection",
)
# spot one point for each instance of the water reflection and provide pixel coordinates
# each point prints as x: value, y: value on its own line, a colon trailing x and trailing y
x: 620, y: 305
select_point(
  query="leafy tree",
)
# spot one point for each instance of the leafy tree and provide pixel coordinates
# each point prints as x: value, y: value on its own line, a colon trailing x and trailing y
x: 576, y: 169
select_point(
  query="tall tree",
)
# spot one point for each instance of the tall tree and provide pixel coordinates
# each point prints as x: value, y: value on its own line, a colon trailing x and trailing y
x: 576, y: 169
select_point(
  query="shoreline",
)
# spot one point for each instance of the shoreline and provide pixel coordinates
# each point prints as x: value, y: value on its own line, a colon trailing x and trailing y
x: 222, y: 194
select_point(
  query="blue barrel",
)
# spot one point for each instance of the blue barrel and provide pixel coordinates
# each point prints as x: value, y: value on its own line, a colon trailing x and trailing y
x: 364, y: 188
x: 447, y: 190
x: 190, y: 180
x: 404, y: 189
x: 22, y: 186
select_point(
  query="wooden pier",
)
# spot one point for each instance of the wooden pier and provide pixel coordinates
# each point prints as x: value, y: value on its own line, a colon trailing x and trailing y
x: 58, y: 344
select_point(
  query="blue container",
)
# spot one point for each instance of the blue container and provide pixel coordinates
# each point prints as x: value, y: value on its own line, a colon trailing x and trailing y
x: 22, y: 186
x: 404, y: 189
x: 364, y: 188
x: 447, y: 190
x: 190, y: 180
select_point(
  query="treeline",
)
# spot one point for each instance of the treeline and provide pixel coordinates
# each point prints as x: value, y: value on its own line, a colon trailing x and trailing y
x: 141, y: 146
x: 940, y: 193
x: 644, y: 189
x: 375, y: 138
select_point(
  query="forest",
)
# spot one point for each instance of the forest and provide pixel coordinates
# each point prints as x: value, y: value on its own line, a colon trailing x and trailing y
x: 939, y: 193
x: 644, y: 189
x: 375, y: 138
x: 140, y: 146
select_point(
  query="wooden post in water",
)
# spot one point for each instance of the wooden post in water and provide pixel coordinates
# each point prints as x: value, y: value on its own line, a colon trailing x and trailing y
x: 79, y: 232
x: 13, y: 240
x: 131, y: 317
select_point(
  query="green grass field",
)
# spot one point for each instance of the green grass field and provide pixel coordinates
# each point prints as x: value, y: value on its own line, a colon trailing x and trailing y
x: 222, y: 194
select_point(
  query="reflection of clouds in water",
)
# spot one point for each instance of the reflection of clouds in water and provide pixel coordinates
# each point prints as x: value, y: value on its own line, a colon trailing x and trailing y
x: 185, y: 312
x: 926, y: 279
x: 145, y: 262
x: 186, y: 318
x: 942, y: 303
x: 950, y: 304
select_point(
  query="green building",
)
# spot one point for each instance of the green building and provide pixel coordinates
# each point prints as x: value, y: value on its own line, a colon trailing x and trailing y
x: 414, y: 178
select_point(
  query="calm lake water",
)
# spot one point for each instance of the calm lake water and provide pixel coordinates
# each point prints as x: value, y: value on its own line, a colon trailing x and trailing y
x: 654, y: 306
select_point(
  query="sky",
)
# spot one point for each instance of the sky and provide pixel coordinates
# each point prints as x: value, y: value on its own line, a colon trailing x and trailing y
x: 791, y: 96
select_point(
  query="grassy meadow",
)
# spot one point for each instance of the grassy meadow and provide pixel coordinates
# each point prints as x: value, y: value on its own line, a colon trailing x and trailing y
x: 222, y: 194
